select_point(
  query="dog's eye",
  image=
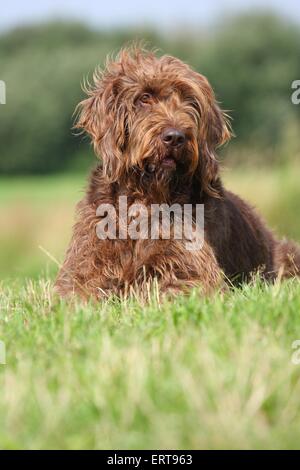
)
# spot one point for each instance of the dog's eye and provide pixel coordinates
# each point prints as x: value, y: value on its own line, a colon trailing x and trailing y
x: 145, y: 98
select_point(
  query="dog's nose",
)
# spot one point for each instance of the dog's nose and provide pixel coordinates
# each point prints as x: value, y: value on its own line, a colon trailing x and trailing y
x: 173, y: 137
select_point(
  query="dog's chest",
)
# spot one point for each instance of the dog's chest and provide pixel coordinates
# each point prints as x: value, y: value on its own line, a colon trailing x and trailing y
x: 138, y: 242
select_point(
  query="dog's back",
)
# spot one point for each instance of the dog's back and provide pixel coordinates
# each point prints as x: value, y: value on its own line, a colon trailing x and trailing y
x: 243, y: 244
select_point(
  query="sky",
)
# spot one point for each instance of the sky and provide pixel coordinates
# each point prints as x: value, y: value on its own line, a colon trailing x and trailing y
x: 158, y: 13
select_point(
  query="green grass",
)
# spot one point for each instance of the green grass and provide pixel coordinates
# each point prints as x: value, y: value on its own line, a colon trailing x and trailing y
x: 191, y: 373
x: 36, y: 211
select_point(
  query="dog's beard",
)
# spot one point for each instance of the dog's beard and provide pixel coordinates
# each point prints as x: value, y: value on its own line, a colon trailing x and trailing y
x: 166, y: 165
x: 161, y: 176
x: 152, y: 163
x: 169, y: 166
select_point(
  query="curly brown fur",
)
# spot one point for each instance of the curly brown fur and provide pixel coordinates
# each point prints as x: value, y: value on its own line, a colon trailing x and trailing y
x: 129, y: 108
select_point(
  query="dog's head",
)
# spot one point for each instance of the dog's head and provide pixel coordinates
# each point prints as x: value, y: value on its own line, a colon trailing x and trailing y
x: 154, y: 116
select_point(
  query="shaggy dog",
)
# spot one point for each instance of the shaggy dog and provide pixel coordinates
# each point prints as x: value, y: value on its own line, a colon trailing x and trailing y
x: 156, y: 125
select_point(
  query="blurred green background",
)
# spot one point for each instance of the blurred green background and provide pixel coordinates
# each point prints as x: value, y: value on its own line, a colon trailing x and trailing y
x: 251, y: 59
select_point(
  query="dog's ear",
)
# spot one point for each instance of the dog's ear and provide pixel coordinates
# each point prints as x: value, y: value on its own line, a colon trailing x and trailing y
x: 104, y: 119
x: 214, y: 131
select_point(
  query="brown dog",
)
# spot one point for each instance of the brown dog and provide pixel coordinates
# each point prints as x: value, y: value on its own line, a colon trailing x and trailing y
x: 156, y: 125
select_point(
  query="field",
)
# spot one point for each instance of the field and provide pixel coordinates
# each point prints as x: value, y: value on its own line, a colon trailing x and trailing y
x: 192, y: 373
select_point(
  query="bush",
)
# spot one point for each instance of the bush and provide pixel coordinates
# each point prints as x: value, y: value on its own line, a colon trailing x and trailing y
x: 252, y: 63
